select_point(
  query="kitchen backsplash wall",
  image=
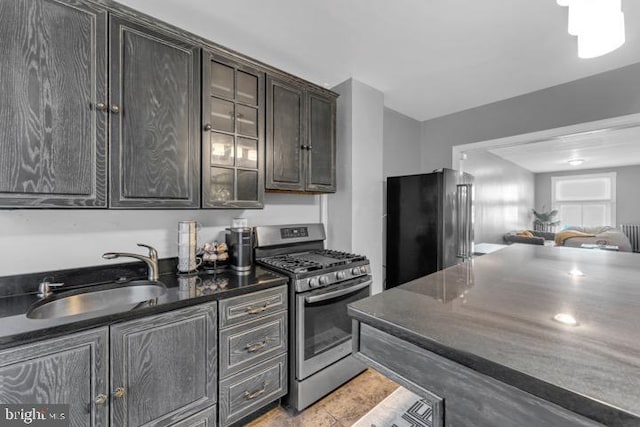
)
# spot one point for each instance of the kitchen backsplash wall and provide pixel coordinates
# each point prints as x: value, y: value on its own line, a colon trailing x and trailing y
x: 40, y: 240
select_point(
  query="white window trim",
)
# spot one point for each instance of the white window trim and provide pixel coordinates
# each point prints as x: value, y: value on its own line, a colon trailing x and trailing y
x: 612, y: 200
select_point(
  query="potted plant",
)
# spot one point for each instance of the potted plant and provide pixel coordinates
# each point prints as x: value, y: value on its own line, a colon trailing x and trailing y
x: 545, y: 221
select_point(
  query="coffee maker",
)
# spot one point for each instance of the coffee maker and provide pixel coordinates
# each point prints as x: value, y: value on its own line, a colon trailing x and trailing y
x: 240, y: 243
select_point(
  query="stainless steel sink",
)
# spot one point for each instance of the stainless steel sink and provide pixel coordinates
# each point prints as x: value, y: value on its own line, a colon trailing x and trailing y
x: 104, y: 298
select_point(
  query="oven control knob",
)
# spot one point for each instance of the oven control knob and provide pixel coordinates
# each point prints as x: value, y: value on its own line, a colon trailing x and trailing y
x: 313, y: 282
x: 324, y: 280
x: 355, y: 271
x: 340, y: 275
x: 363, y: 269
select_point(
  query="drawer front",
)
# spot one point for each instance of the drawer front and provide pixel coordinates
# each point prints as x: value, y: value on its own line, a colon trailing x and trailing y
x: 252, y: 342
x: 206, y: 418
x: 248, y: 307
x: 247, y: 392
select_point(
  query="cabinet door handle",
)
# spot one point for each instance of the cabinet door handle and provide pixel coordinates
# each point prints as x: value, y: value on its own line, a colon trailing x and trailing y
x: 101, y: 399
x: 208, y: 127
x: 101, y: 106
x: 255, y: 347
x: 254, y: 394
x: 115, y: 109
x: 256, y: 310
x: 119, y: 392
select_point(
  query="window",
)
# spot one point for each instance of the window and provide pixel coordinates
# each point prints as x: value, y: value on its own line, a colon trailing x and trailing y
x: 585, y: 200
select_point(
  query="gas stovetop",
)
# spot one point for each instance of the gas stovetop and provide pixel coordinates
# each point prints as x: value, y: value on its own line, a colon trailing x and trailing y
x: 309, y: 261
x: 297, y: 250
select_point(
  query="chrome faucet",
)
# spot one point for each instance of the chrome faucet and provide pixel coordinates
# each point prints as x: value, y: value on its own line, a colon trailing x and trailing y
x: 151, y: 260
x: 44, y: 289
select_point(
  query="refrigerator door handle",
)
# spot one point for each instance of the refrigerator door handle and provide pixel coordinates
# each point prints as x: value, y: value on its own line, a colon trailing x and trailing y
x: 460, y: 252
x: 469, y: 220
x: 463, y: 221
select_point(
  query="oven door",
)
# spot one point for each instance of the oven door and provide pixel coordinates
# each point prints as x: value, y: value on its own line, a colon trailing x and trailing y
x: 323, y: 328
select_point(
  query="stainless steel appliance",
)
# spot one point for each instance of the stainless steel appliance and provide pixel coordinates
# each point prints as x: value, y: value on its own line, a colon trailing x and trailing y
x: 429, y: 224
x: 240, y: 243
x: 322, y: 283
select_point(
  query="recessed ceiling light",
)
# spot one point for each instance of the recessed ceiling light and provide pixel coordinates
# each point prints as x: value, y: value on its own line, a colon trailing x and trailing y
x: 576, y: 273
x: 576, y: 162
x: 565, y: 319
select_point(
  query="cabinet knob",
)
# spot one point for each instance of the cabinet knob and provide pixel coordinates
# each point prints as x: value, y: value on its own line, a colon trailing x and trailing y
x: 309, y: 147
x: 101, y: 399
x: 207, y: 127
x: 119, y: 392
x: 100, y: 106
x: 115, y: 109
x: 304, y: 147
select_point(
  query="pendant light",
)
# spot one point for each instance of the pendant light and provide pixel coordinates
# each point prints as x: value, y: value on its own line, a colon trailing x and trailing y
x: 598, y: 24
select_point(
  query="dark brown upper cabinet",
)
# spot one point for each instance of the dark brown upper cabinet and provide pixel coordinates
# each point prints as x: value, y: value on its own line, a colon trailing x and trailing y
x: 52, y: 119
x: 232, y: 134
x: 301, y: 138
x: 321, y: 145
x: 155, y: 111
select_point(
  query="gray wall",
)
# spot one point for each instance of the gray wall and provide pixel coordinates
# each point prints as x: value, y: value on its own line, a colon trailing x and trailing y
x: 610, y: 94
x: 355, y: 210
x: 40, y: 240
x: 504, y: 196
x: 401, y: 144
x: 627, y: 191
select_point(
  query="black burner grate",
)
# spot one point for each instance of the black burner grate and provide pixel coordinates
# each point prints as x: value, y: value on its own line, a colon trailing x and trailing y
x: 301, y: 262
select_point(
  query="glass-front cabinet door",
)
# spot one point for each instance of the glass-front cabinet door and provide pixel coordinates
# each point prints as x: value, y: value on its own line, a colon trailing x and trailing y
x: 233, y: 134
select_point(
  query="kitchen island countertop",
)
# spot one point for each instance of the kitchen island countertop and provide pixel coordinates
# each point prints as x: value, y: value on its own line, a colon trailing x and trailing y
x: 495, y: 315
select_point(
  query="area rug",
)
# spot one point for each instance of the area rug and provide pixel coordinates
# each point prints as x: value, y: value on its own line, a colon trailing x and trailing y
x: 401, y: 408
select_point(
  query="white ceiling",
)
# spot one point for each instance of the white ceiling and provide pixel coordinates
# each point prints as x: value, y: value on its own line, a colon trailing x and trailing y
x: 610, y: 148
x: 429, y: 57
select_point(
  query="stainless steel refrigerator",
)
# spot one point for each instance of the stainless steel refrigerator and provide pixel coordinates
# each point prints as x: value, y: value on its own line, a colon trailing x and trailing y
x: 429, y: 224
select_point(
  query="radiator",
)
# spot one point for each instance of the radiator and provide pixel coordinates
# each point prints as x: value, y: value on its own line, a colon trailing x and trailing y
x: 632, y: 231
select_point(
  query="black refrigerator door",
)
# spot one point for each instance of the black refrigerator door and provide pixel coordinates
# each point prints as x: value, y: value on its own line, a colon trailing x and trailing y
x: 413, y: 226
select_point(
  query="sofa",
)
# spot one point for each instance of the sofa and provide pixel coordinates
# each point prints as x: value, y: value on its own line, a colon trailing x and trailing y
x: 537, y: 238
x: 602, y: 235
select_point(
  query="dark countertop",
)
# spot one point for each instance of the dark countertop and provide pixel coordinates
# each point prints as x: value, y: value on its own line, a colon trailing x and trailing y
x: 495, y: 315
x: 182, y: 291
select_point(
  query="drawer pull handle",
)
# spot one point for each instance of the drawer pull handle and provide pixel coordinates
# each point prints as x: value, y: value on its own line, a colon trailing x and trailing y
x: 252, y: 348
x: 256, y: 310
x: 254, y: 394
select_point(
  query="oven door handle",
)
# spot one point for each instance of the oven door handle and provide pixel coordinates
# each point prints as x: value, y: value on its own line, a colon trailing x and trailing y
x: 331, y: 295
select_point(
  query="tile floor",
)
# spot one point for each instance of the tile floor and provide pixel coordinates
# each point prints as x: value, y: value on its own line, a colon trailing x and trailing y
x: 342, y: 408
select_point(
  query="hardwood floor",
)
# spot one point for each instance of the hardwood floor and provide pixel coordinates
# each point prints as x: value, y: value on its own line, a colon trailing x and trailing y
x: 341, y: 408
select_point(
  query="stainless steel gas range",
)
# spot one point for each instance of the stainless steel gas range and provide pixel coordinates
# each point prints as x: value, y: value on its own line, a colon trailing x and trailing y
x: 322, y: 283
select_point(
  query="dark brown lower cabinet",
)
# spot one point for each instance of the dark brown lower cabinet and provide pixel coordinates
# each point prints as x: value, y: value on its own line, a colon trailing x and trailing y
x: 164, y: 367
x: 253, y: 353
x: 460, y: 396
x: 70, y: 370
x: 206, y: 418
x: 163, y: 371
